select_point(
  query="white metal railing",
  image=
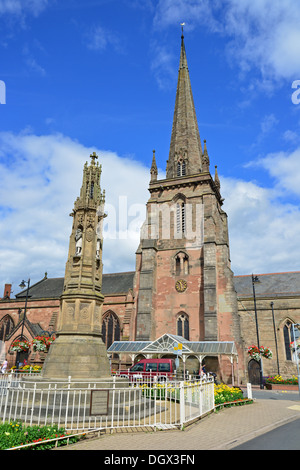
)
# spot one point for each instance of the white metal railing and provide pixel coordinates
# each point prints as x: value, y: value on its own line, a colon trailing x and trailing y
x: 104, y: 405
x: 155, y: 376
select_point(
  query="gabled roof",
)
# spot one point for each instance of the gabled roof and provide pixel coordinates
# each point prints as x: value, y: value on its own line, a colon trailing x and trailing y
x: 116, y: 283
x: 34, y: 328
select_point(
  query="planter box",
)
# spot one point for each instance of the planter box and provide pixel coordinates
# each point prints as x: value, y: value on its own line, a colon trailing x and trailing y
x: 282, y: 387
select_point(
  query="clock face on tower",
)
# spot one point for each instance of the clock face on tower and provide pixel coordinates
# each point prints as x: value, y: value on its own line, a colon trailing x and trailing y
x: 181, y: 285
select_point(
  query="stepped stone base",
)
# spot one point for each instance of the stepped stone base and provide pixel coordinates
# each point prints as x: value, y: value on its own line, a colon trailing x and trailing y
x: 78, y: 356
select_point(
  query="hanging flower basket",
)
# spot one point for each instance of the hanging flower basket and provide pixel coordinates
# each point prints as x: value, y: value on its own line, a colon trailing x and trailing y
x: 266, y: 352
x: 256, y: 353
x: 20, y: 345
x: 42, y: 343
x: 294, y: 347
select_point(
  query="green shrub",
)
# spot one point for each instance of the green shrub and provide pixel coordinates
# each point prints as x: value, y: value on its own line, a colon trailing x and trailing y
x: 14, y: 434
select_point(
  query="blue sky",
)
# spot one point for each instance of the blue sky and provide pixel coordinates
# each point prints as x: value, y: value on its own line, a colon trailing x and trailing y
x: 83, y: 76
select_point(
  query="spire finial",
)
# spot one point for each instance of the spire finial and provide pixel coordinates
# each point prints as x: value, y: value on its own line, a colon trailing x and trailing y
x: 182, y: 25
x: 93, y: 157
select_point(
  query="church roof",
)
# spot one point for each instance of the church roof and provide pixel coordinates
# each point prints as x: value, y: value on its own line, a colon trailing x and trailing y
x: 116, y: 283
x: 269, y: 285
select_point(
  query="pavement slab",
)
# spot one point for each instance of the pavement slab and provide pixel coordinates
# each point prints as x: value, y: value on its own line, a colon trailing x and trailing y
x: 221, y: 430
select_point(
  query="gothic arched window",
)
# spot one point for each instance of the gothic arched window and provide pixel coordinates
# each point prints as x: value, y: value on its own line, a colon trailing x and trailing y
x: 183, y: 327
x: 288, y: 339
x: 6, y: 326
x: 110, y: 329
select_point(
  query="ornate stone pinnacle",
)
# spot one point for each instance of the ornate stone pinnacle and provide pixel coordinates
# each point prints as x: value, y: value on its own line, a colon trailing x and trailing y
x: 93, y: 157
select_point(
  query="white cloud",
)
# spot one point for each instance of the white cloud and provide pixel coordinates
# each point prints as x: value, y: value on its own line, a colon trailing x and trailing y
x: 191, y: 12
x: 99, y: 38
x: 164, y: 66
x: 20, y: 7
x: 265, y: 34
x: 41, y: 177
x: 284, y: 168
x: 260, y: 35
x: 264, y: 224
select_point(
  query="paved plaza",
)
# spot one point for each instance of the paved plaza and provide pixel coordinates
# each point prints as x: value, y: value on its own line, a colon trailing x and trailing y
x: 222, y: 430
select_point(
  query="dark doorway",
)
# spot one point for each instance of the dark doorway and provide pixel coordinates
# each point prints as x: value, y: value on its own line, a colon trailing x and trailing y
x: 253, y: 372
x: 21, y: 357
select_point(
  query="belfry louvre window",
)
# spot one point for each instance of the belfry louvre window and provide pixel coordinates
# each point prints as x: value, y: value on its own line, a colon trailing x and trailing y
x: 181, y: 168
x: 180, y: 217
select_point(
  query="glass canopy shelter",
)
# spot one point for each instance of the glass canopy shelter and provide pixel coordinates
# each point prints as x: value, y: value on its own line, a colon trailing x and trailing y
x: 177, y: 345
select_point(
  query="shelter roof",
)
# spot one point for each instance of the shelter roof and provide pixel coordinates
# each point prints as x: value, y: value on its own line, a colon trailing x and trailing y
x: 167, y: 342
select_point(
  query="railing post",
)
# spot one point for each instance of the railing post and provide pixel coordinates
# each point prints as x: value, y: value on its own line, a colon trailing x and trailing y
x: 113, y: 402
x: 33, y: 403
x: 9, y: 379
x: 181, y: 404
x: 67, y: 401
x: 155, y: 397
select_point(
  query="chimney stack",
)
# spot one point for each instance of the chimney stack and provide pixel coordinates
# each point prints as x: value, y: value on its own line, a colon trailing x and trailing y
x: 7, y: 291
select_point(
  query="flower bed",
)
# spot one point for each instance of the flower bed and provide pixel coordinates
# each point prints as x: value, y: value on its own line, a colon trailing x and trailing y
x: 228, y: 396
x: 28, y: 369
x: 31, y: 369
x: 14, y: 434
x: 276, y: 382
x: 224, y: 395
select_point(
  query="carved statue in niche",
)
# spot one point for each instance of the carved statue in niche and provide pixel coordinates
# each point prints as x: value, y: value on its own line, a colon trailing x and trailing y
x: 78, y: 240
x: 98, y: 248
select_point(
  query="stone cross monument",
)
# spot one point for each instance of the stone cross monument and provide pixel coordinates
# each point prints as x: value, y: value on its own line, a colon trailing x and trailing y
x: 78, y: 350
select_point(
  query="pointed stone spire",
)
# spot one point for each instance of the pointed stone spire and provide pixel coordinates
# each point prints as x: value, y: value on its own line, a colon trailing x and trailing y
x: 217, y: 179
x: 185, y: 139
x: 205, y: 159
x: 153, y: 170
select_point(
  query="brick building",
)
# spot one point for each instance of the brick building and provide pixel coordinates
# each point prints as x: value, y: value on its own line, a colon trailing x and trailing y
x: 183, y: 283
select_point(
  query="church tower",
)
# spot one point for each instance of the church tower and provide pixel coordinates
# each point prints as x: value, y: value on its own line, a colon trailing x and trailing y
x: 78, y: 350
x: 183, y: 276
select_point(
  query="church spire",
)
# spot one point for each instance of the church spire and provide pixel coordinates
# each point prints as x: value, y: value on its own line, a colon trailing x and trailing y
x: 185, y: 148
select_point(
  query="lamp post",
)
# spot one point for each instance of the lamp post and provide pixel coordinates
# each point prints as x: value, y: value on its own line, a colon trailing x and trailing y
x: 272, y: 306
x: 255, y: 279
x: 22, y: 285
x: 297, y: 325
